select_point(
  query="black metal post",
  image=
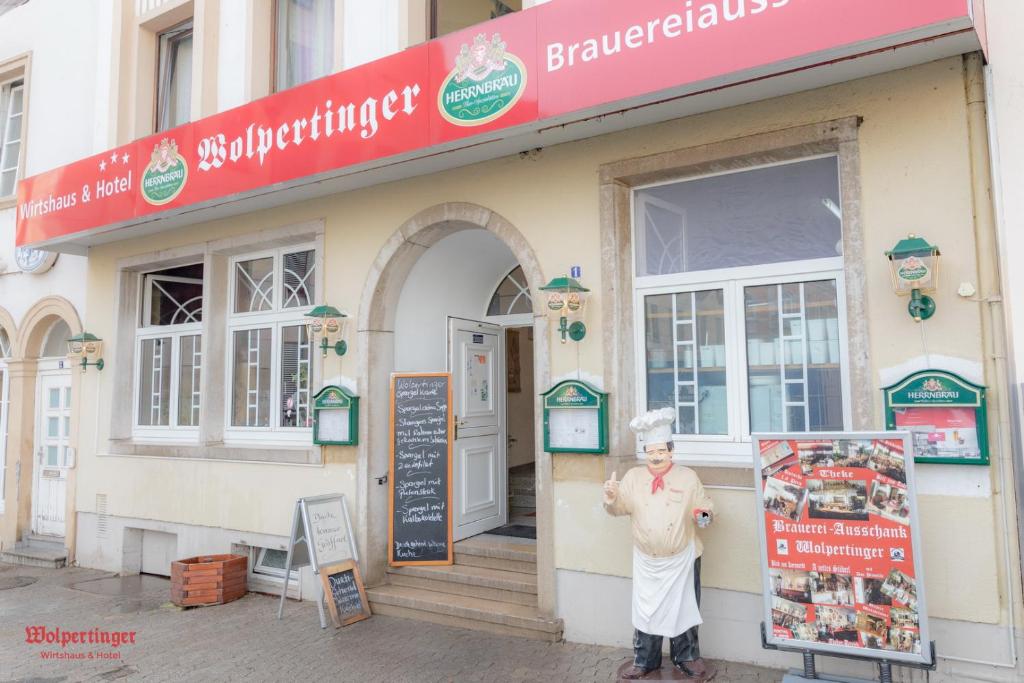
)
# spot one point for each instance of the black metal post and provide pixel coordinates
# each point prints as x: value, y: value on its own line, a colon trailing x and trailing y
x: 884, y: 672
x: 809, y: 669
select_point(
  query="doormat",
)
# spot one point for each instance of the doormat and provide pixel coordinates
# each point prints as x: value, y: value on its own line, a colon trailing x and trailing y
x: 516, y: 530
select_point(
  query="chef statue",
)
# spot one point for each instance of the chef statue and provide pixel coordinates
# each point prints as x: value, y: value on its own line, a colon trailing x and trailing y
x: 667, y: 503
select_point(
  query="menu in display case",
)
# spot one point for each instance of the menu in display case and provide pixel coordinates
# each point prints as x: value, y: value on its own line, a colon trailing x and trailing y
x: 945, y: 415
x: 575, y: 418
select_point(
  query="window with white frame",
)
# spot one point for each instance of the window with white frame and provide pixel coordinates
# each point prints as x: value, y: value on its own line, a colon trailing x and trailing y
x: 169, y: 352
x: 12, y: 107
x: 512, y: 295
x: 271, y: 562
x: 739, y: 304
x: 269, y: 355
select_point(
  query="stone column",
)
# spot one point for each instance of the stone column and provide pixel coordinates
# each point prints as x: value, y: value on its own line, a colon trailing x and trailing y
x: 20, y: 461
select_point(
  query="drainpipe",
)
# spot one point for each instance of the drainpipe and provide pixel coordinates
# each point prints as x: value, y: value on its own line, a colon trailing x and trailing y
x: 993, y: 326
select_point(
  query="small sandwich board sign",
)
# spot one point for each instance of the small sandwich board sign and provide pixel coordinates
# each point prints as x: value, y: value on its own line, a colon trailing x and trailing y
x: 322, y: 538
x: 346, y: 596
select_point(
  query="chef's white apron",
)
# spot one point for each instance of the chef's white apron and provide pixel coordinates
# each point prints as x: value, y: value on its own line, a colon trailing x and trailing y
x: 664, y: 600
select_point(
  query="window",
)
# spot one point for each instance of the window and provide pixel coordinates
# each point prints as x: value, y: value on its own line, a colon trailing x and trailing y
x: 269, y: 354
x: 56, y: 343
x: 512, y: 296
x: 740, y: 306
x: 447, y: 16
x: 271, y: 562
x: 303, y: 40
x: 12, y: 108
x: 174, y: 74
x: 169, y: 352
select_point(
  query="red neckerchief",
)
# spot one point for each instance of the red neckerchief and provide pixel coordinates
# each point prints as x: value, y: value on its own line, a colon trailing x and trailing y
x: 659, y: 479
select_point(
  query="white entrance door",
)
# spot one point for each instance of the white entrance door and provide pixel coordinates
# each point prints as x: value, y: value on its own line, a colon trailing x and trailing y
x: 52, y: 453
x: 477, y: 363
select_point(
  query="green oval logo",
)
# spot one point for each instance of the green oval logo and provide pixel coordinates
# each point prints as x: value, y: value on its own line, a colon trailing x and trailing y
x: 165, y: 175
x: 486, y: 82
x: 912, y: 269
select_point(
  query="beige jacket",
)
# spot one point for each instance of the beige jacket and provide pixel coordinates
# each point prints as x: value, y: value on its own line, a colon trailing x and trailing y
x: 663, y: 523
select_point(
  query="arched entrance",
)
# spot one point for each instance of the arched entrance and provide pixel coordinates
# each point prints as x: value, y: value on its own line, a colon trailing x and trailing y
x: 41, y: 435
x: 410, y: 320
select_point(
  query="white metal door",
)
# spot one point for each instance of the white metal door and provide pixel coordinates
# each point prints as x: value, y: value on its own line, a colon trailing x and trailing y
x: 53, y: 456
x: 477, y: 363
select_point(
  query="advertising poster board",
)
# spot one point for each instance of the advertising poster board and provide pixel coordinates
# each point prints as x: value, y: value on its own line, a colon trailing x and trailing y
x: 840, y: 550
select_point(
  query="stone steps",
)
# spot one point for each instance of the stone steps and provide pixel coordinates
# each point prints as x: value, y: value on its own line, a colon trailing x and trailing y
x: 490, y: 553
x: 477, y: 582
x: 491, y: 587
x: 50, y: 555
x: 522, y: 501
x: 464, y: 611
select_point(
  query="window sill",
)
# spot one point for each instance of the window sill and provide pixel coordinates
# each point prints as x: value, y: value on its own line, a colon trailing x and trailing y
x: 286, y: 454
x: 8, y: 202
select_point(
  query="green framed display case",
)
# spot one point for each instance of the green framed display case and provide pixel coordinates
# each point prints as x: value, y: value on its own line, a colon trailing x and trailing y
x: 944, y: 413
x: 335, y: 417
x: 575, y: 418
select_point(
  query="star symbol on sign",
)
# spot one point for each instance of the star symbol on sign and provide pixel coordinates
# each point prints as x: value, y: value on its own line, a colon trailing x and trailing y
x: 113, y: 158
x: 124, y: 158
x: 103, y: 166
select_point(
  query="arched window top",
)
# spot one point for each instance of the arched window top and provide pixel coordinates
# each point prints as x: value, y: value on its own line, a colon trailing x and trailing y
x: 512, y: 296
x: 5, y: 344
x: 55, y: 345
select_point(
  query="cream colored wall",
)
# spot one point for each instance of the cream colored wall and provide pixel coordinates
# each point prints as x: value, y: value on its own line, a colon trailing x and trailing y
x: 915, y: 176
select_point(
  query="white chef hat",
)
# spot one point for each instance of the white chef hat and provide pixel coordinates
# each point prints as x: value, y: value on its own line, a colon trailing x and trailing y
x: 654, y: 426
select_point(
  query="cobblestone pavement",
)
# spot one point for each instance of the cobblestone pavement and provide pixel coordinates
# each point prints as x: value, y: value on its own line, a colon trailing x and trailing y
x: 244, y: 641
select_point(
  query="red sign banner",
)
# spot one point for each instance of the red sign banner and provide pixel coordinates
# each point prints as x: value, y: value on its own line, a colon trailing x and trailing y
x: 553, y: 64
x: 839, y: 545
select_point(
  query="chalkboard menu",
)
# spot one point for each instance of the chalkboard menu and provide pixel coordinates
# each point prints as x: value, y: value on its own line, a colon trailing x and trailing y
x: 420, y: 525
x: 346, y: 597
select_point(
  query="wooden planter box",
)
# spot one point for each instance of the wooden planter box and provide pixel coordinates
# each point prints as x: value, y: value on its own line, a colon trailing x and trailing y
x: 208, y: 580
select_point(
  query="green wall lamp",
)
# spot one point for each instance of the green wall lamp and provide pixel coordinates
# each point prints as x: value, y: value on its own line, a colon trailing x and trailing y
x: 329, y: 323
x: 566, y: 298
x: 915, y: 271
x: 87, y: 346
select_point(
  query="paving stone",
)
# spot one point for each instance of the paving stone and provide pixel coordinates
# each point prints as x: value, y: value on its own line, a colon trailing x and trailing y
x: 243, y: 640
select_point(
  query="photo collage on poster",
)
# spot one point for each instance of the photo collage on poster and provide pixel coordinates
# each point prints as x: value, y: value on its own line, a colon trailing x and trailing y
x: 839, y: 550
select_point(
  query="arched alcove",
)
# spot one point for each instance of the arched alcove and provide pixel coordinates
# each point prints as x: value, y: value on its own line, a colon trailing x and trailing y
x: 376, y: 332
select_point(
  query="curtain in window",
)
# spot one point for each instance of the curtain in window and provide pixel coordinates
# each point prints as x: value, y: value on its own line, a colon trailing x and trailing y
x: 174, y: 96
x: 305, y: 41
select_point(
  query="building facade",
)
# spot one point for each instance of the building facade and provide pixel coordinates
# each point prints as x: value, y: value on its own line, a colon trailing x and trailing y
x: 729, y: 218
x: 42, y: 294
